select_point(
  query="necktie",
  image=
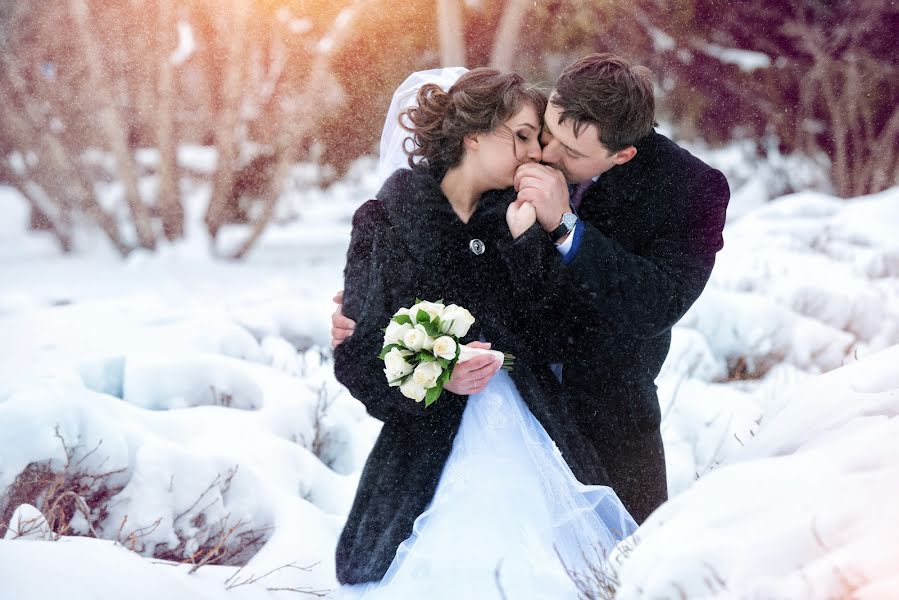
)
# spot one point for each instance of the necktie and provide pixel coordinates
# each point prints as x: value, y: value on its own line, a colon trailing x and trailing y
x: 578, y: 196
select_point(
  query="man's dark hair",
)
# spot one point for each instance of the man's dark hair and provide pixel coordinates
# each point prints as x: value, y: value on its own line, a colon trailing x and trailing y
x: 606, y: 91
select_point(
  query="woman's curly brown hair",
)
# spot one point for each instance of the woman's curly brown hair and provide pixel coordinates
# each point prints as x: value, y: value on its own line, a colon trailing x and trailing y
x: 480, y: 101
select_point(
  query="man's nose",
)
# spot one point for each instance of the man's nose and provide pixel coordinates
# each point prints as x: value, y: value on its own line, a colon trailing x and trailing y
x: 550, y: 153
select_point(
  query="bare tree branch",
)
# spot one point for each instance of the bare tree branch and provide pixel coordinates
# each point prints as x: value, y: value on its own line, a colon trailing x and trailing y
x: 112, y: 122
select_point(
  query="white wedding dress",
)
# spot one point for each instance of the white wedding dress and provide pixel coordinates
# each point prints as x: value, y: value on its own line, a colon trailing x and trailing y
x: 507, y: 512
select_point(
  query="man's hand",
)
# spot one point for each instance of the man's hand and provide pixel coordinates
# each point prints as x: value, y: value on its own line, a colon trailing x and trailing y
x: 546, y: 189
x: 473, y: 375
x: 520, y: 216
x: 341, y: 327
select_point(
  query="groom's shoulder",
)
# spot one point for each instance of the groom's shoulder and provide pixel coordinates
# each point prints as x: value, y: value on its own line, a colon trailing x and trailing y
x: 682, y: 169
x: 669, y: 153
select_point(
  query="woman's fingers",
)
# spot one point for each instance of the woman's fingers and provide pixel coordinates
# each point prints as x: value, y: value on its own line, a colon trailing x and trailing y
x: 480, y: 345
x: 520, y: 216
x: 473, y: 375
x: 475, y: 368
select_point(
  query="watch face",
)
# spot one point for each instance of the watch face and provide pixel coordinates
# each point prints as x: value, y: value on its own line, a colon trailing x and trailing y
x: 569, y: 219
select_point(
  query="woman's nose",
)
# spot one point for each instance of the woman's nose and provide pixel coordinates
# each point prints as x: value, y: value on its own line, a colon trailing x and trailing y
x: 534, y: 153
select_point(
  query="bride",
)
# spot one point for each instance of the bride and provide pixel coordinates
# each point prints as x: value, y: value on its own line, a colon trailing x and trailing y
x: 479, y: 493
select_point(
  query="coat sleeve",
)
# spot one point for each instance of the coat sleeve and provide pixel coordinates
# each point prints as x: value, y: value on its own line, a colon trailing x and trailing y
x: 542, y: 317
x: 366, y: 301
x: 644, y: 293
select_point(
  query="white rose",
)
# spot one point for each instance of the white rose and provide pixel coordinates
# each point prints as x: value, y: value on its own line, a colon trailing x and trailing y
x: 402, y: 311
x: 429, y: 341
x: 393, y: 380
x: 396, y: 364
x: 444, y: 347
x: 456, y: 321
x: 415, y: 339
x: 432, y: 308
x: 426, y: 374
x: 413, y: 391
x: 395, y: 332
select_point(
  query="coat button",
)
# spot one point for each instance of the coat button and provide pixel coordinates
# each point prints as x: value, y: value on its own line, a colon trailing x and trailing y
x: 477, y: 246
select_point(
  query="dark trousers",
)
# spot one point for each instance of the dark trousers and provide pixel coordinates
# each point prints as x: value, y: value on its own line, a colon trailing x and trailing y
x: 636, y: 471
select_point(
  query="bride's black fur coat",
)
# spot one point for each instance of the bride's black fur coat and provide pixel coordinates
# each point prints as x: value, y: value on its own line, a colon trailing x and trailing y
x: 408, y: 244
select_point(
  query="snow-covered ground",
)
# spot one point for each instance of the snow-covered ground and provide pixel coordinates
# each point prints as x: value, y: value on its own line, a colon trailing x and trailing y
x: 191, y: 403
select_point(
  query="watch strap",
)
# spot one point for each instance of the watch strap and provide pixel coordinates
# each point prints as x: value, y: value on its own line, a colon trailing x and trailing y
x: 563, y: 228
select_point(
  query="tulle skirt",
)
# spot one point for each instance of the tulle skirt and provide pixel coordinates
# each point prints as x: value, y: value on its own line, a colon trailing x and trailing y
x: 507, y: 514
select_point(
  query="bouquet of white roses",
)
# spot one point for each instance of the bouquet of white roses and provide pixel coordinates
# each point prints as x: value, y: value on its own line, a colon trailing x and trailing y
x: 421, y: 348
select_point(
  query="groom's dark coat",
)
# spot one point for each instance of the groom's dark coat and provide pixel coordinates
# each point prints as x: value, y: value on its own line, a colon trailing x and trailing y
x: 408, y: 244
x: 650, y: 229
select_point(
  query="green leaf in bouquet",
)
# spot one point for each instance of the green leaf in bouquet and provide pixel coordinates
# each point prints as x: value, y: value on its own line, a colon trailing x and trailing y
x: 432, y: 394
x: 422, y: 316
x: 431, y: 329
x: 425, y: 356
x: 443, y: 362
x: 402, y: 319
x: 400, y: 380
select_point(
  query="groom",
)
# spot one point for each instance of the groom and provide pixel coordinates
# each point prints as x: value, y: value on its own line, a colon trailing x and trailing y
x: 620, y: 259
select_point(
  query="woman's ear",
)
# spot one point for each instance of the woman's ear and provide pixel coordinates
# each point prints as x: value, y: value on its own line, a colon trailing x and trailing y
x: 470, y: 141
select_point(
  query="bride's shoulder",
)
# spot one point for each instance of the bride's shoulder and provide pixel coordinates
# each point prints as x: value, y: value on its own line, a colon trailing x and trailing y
x: 398, y: 179
x: 371, y: 215
x: 376, y: 210
x: 420, y: 181
x: 374, y: 222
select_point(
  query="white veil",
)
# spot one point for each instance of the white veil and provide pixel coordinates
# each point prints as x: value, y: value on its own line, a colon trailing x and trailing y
x: 393, y: 156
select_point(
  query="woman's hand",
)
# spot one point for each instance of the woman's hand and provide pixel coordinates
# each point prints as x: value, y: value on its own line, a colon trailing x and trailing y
x: 520, y: 215
x: 472, y: 376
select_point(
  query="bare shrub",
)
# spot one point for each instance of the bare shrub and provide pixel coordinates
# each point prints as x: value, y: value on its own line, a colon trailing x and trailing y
x: 320, y: 444
x: 226, y: 542
x: 234, y: 581
x: 61, y: 495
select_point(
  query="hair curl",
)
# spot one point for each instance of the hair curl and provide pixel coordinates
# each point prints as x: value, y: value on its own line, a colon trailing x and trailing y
x: 481, y: 100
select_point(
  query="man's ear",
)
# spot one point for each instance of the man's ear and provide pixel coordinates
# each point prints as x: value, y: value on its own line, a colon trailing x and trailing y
x: 622, y: 156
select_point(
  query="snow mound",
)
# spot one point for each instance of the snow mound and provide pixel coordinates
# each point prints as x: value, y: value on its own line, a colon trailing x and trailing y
x: 807, y: 508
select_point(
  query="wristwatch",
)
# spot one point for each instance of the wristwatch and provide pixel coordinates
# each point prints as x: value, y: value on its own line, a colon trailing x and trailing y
x: 569, y: 220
